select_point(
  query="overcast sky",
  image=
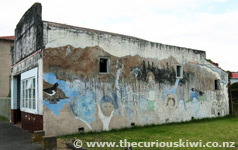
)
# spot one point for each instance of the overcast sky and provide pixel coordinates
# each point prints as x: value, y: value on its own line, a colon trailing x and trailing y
x: 209, y: 25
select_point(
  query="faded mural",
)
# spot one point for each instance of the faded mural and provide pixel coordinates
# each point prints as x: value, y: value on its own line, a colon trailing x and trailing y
x: 136, y: 90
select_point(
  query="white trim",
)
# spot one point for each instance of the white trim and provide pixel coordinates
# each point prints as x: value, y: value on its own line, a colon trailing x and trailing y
x: 13, y: 92
x: 29, y: 74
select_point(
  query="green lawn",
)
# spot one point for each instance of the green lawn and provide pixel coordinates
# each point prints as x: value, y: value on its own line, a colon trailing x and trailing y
x: 208, y: 130
x: 3, y: 118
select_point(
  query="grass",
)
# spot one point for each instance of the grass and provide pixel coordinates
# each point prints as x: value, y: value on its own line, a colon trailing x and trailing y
x: 3, y: 119
x: 208, y: 130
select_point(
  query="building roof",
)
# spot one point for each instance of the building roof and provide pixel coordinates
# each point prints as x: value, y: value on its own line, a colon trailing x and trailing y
x: 234, y: 75
x: 7, y: 38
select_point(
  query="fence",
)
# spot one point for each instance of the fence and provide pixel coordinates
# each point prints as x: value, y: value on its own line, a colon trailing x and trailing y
x: 5, y: 107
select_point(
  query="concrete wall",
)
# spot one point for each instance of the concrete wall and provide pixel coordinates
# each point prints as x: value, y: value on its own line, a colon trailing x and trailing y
x: 5, y: 66
x: 27, y: 52
x: 5, y: 107
x: 27, y: 55
x: 141, y: 87
x: 28, y: 34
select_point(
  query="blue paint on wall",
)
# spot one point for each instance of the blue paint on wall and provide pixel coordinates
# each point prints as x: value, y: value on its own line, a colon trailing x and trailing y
x: 194, y: 95
x: 84, y: 106
x: 55, y: 108
x: 173, y: 90
x: 143, y: 104
x: 106, y: 99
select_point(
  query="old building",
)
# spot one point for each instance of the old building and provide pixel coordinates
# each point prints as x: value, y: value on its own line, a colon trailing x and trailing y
x: 234, y: 77
x: 6, y: 45
x: 73, y: 78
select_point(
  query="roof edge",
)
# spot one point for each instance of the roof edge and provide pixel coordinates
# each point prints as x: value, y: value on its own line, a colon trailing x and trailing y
x: 116, y: 34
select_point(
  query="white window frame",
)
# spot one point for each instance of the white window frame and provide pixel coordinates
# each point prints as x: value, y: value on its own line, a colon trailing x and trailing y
x: 28, y: 75
x: 108, y: 65
x: 181, y: 71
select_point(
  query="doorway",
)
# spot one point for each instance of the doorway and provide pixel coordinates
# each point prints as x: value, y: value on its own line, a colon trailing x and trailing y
x: 16, y: 100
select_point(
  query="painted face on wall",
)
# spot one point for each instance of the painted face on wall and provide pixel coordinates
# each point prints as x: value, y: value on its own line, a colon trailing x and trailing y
x: 171, y: 100
x: 84, y: 107
x: 107, y: 108
x: 108, y: 104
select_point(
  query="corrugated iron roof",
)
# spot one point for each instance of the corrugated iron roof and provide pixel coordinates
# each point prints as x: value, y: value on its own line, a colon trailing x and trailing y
x: 7, y: 37
x: 234, y: 75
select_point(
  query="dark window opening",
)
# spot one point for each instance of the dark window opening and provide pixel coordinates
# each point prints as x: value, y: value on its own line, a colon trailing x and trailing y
x: 217, y: 85
x: 103, y: 66
x: 133, y: 124
x: 81, y: 129
x: 179, y: 71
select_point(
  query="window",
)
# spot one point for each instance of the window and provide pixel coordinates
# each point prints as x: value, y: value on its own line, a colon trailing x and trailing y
x: 103, y: 65
x: 217, y: 84
x: 29, y: 91
x: 179, y: 71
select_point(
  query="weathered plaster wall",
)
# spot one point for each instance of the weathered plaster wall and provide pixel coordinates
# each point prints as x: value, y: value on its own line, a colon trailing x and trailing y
x: 28, y: 33
x: 58, y: 35
x: 5, y: 66
x: 27, y: 53
x: 140, y: 90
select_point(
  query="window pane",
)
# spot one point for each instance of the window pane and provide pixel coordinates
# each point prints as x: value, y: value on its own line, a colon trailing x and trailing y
x: 33, y: 83
x: 26, y: 98
x: 29, y: 90
x: 33, y: 96
x: 34, y: 104
x: 28, y: 95
x: 29, y: 83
